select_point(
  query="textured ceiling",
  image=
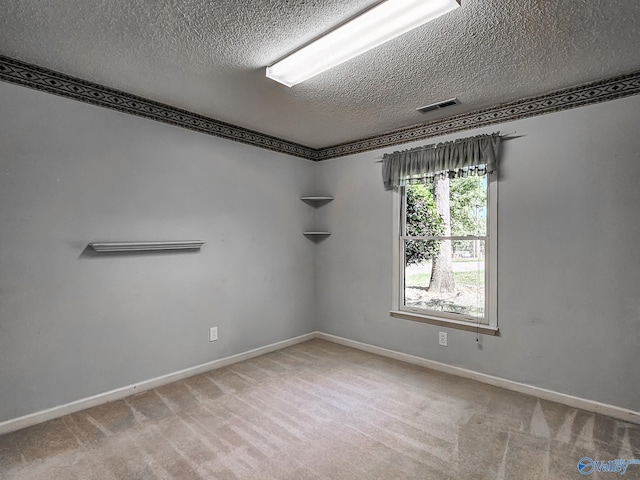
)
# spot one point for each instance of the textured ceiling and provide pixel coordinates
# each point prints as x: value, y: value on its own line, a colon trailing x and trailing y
x: 208, y: 57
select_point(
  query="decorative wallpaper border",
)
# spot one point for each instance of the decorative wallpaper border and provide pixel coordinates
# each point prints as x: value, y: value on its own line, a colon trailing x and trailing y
x: 596, y: 92
x: 39, y: 78
x: 21, y: 73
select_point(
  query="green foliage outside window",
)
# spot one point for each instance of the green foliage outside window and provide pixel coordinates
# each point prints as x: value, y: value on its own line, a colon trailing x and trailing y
x: 468, y: 200
x: 468, y: 206
x: 422, y: 220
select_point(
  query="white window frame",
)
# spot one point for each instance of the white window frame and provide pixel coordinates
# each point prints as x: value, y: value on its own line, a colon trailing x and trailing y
x: 490, y: 325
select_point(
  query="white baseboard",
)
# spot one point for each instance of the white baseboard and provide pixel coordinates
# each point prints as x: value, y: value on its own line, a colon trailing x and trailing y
x: 123, y: 392
x: 120, y: 393
x: 575, y: 402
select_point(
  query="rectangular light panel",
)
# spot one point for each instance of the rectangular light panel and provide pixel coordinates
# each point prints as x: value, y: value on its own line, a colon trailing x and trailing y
x: 374, y: 27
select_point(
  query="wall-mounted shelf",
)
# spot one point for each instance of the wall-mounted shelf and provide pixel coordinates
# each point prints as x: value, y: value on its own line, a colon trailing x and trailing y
x: 146, y: 246
x: 316, y: 198
x: 316, y: 201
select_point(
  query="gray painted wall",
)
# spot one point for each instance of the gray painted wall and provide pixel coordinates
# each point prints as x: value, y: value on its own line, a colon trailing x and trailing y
x: 569, y: 261
x: 74, y: 324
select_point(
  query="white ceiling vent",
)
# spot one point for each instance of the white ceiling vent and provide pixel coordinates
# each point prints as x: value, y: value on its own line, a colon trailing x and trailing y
x: 438, y: 105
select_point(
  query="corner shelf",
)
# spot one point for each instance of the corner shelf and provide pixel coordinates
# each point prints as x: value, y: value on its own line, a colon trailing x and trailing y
x: 146, y: 246
x: 316, y: 201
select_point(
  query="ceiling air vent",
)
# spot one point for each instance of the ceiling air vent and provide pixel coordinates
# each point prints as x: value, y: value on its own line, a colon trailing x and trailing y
x: 438, y: 105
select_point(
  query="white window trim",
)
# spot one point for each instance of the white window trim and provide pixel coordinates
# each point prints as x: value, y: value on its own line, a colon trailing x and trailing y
x: 399, y: 311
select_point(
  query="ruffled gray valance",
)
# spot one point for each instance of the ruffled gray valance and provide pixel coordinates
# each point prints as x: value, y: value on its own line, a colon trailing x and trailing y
x: 460, y: 158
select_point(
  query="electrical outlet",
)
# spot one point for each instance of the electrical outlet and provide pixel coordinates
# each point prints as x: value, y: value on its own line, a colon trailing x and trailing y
x: 213, y: 334
x: 442, y: 338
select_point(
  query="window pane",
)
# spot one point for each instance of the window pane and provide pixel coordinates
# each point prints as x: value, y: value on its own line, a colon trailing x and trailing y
x: 422, y: 218
x: 468, y: 205
x: 445, y: 276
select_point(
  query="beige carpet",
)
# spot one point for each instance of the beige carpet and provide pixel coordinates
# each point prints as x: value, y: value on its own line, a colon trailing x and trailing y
x: 321, y: 411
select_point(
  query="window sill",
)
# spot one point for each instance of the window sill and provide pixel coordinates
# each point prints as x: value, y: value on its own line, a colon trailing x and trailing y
x: 457, y: 324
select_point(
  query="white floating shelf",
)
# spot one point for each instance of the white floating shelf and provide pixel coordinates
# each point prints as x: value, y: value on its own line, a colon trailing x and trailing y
x: 316, y: 198
x: 146, y: 246
x: 316, y: 201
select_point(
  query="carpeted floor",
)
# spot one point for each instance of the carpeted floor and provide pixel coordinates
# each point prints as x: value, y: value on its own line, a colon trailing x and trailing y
x: 319, y: 410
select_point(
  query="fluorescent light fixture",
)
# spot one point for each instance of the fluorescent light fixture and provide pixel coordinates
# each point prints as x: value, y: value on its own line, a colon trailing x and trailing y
x: 374, y: 27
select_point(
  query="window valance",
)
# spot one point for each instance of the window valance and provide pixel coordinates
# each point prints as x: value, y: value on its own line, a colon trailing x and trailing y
x: 467, y: 156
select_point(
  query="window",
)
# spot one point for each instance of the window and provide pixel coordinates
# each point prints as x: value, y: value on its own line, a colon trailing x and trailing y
x: 445, y: 205
x: 445, y: 252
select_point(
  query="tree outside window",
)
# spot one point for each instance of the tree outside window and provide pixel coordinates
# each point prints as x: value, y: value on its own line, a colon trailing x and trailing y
x: 444, y: 241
